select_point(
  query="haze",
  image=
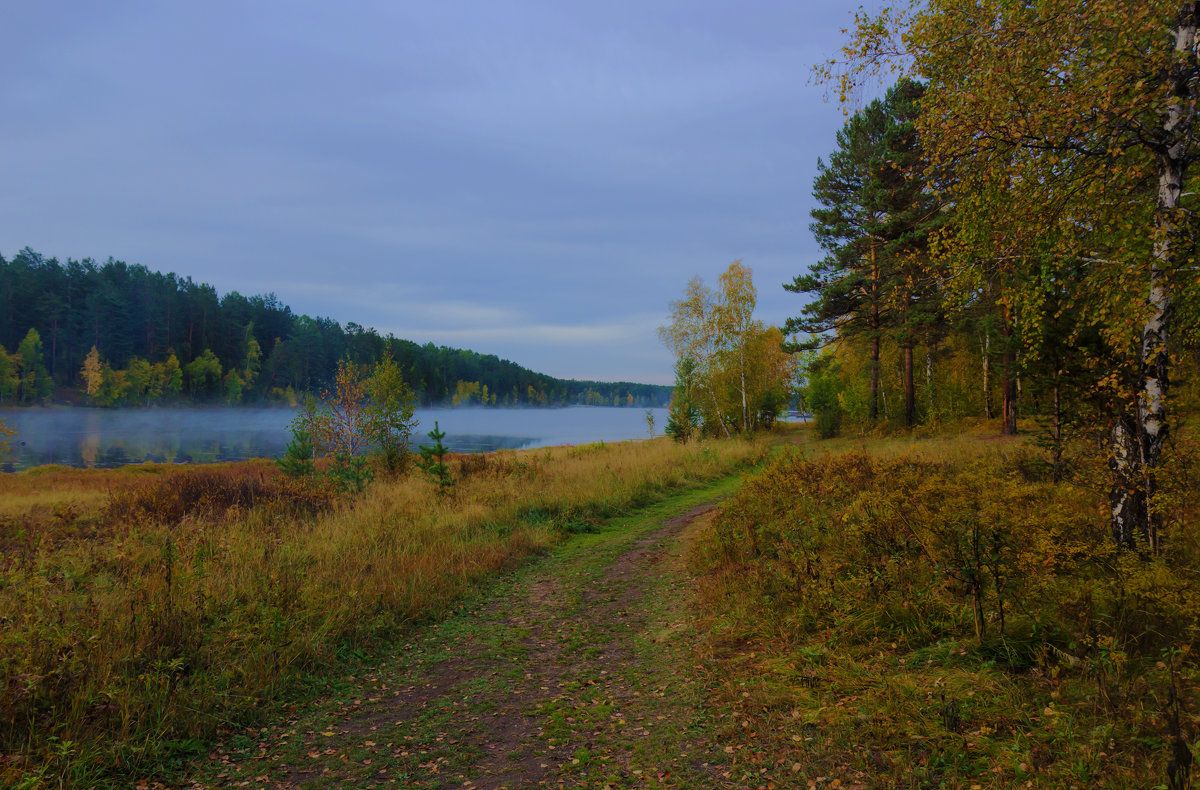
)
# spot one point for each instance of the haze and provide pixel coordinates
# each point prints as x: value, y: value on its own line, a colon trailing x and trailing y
x: 536, y: 180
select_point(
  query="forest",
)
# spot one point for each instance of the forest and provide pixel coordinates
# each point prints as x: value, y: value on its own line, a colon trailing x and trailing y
x: 1041, y: 269
x: 115, y: 333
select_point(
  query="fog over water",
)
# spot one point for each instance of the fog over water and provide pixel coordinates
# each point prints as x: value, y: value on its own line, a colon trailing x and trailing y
x: 87, y: 437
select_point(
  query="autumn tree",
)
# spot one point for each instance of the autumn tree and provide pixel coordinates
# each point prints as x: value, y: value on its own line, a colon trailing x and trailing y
x: 390, y: 413
x: 693, y: 334
x: 733, y: 359
x: 1070, y: 128
x: 342, y: 423
x: 10, y: 381
x: 91, y: 373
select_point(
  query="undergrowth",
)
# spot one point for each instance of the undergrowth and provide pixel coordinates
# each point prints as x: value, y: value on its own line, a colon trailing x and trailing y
x: 903, y: 620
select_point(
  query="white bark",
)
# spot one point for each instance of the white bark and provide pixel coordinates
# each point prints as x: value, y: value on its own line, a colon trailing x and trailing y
x: 1172, y: 149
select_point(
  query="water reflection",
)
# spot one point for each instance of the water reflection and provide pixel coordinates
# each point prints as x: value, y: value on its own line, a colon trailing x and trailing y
x: 100, y: 438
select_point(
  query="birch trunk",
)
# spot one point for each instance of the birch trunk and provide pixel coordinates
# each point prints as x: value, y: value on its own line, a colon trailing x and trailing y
x: 745, y: 410
x: 1135, y: 473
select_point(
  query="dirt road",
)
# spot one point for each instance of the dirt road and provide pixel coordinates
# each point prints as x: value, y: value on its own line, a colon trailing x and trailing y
x: 577, y: 671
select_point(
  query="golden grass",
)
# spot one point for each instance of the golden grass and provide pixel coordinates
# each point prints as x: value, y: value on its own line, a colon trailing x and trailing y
x: 127, y: 642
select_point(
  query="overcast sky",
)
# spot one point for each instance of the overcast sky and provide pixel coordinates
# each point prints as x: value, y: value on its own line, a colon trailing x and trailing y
x: 537, y: 180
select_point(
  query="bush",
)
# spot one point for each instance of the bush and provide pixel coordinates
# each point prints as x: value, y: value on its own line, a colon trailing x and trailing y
x: 866, y: 545
x: 824, y: 399
x: 214, y: 494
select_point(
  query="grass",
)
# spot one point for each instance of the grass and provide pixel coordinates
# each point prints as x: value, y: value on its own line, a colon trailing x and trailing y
x: 932, y: 613
x: 567, y: 672
x: 135, y: 627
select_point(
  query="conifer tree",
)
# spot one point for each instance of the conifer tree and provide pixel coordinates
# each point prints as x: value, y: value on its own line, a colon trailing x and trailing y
x: 433, y: 461
x: 875, y: 218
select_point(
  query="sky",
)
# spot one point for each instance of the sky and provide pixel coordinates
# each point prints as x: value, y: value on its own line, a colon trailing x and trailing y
x: 536, y: 180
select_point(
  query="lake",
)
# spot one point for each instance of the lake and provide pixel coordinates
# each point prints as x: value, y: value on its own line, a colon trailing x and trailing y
x: 88, y: 437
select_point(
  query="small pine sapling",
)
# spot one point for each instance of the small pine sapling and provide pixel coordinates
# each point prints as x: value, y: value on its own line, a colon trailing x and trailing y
x: 297, y: 458
x: 433, y: 461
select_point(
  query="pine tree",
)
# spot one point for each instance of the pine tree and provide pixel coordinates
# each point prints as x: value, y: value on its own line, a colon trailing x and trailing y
x: 875, y: 218
x: 433, y: 461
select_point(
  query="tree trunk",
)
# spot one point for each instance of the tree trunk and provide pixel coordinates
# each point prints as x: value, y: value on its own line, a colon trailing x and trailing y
x: 1056, y: 432
x: 1008, y: 384
x: 1125, y: 497
x: 717, y: 411
x: 1137, y: 448
x: 874, y: 405
x: 985, y: 352
x: 928, y: 383
x: 745, y: 411
x: 910, y: 392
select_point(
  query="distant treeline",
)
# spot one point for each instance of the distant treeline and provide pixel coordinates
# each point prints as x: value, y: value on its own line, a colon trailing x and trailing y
x: 161, y: 337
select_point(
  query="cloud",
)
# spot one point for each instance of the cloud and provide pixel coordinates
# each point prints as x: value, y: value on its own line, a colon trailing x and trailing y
x: 617, y: 330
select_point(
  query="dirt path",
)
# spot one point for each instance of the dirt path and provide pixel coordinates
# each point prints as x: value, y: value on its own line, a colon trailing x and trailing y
x: 572, y: 673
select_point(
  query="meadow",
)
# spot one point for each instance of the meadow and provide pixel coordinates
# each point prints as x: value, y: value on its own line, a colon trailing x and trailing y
x: 146, y: 609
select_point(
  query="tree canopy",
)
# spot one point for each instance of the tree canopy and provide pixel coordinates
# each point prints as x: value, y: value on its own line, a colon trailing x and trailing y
x: 160, y: 336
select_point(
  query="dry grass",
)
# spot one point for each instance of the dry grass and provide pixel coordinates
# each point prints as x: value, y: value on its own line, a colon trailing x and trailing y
x: 132, y: 633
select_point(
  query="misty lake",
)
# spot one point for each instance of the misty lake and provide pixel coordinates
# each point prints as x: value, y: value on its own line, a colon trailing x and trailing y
x: 88, y: 437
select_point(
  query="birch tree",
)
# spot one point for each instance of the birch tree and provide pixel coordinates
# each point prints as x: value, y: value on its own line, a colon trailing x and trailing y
x: 735, y: 365
x: 1070, y: 129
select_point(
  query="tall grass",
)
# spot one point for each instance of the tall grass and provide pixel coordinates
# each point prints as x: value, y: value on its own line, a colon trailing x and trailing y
x: 148, y: 616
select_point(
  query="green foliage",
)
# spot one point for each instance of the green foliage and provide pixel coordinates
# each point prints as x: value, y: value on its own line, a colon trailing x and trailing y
x: 349, y: 474
x: 34, y: 383
x: 433, y: 461
x: 10, y: 379
x: 823, y: 396
x: 129, y: 311
x: 203, y: 374
x: 390, y: 414
x: 297, y: 459
x: 683, y: 415
x: 114, y: 386
x: 234, y: 387
x: 875, y: 217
